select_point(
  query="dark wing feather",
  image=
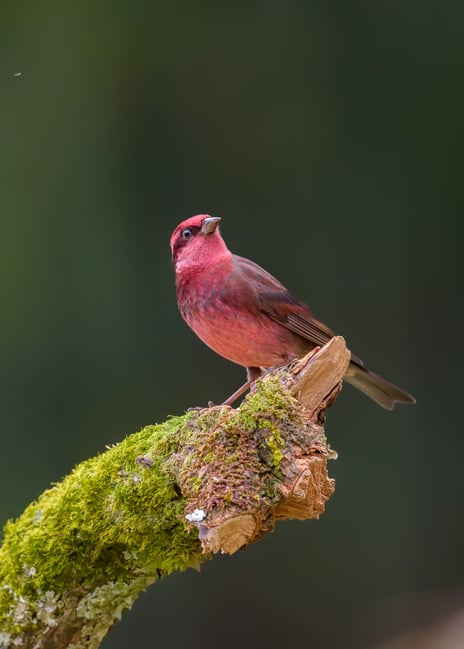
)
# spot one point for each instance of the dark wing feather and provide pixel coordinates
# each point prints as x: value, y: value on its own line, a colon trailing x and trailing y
x: 282, y: 307
x: 311, y: 329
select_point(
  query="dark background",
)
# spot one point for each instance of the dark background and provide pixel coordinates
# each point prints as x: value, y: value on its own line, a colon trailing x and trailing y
x: 329, y: 138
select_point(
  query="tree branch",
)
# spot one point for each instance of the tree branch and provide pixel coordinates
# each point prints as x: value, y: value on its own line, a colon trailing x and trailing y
x: 215, y: 479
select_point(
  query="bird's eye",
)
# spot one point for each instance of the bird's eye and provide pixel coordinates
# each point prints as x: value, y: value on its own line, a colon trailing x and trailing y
x: 187, y: 233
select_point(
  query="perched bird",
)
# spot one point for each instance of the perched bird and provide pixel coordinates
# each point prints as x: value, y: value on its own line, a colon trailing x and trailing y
x: 246, y: 315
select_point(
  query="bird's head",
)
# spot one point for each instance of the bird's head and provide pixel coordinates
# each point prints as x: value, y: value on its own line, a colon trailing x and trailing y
x: 197, y: 243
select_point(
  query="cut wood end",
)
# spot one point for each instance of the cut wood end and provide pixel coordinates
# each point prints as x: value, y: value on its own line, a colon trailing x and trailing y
x: 315, y: 380
x: 229, y: 535
x: 306, y: 497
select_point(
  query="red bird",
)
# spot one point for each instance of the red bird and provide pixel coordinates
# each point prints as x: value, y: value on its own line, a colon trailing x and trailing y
x: 246, y: 315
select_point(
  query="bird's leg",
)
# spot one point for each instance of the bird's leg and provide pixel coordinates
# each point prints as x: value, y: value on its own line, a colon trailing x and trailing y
x: 252, y: 374
x: 238, y: 393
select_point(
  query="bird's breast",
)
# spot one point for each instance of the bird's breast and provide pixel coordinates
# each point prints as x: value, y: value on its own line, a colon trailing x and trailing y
x: 231, y: 324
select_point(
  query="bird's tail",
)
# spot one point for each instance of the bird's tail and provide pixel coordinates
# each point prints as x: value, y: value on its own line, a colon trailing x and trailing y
x: 383, y: 392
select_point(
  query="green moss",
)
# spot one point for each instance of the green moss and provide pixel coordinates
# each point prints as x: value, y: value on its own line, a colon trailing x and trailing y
x: 117, y: 523
x: 116, y: 520
x: 243, y: 448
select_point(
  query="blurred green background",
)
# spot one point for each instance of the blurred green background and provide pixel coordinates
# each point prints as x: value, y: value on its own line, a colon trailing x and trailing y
x: 329, y: 138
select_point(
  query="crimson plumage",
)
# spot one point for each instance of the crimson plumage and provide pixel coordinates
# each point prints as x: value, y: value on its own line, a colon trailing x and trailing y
x: 246, y: 315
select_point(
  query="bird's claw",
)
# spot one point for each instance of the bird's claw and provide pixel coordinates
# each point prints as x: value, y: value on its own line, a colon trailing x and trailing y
x: 211, y: 404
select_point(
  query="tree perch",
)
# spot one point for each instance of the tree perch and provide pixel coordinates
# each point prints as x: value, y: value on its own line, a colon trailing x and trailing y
x: 212, y: 480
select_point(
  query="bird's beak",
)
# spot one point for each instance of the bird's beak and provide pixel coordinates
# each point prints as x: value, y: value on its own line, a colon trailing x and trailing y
x: 210, y: 224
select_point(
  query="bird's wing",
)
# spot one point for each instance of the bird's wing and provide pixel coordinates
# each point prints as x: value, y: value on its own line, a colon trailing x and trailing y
x: 282, y: 307
x: 296, y: 316
x: 278, y: 304
x: 302, y: 323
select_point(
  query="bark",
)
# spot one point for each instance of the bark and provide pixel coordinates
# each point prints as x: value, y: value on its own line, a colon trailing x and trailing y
x: 164, y: 499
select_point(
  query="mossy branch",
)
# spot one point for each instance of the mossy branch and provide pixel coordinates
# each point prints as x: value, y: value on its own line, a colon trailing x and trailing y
x: 212, y: 480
